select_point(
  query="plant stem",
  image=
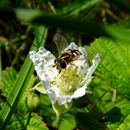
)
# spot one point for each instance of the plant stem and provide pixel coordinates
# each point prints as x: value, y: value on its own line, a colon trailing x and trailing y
x: 98, y: 99
x: 58, y: 119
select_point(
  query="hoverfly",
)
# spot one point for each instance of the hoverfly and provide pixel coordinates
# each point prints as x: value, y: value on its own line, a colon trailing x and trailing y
x: 65, y: 56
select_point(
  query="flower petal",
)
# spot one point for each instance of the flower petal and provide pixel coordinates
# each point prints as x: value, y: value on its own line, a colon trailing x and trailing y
x: 79, y: 92
x: 72, y: 46
x: 72, y: 83
x: 91, y: 69
x: 64, y: 99
x: 43, y: 61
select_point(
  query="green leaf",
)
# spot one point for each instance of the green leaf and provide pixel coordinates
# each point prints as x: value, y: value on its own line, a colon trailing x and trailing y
x: 113, y: 118
x: 21, y: 82
x: 36, y: 123
x: 90, y: 121
x: 68, y: 122
x: 125, y: 124
x: 101, y: 96
x: 15, y: 124
x: 124, y: 105
x: 8, y: 78
x: 114, y: 67
x: 76, y: 7
x: 115, y: 111
x: 119, y: 117
x: 125, y: 110
x: 22, y: 106
x: 46, y: 109
x: 28, y: 121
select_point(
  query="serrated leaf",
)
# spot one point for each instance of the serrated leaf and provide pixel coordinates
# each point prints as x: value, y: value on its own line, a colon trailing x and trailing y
x: 15, y: 124
x: 125, y: 125
x: 119, y: 118
x: 28, y: 121
x: 114, y: 67
x: 36, y: 123
x: 8, y: 78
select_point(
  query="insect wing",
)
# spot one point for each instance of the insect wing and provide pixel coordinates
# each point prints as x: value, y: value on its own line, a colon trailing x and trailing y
x: 61, y: 42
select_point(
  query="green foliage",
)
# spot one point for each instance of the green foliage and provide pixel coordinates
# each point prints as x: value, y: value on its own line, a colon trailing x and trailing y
x: 36, y: 123
x: 99, y: 88
x: 3, y: 3
x: 22, y: 105
x: 119, y: 117
x: 29, y: 121
x: 105, y: 26
x: 113, y: 118
x: 111, y: 74
x: 90, y: 121
x: 125, y: 124
x: 115, y: 59
x: 76, y: 7
x: 8, y: 78
x: 68, y: 122
x: 19, y: 86
x: 14, y: 126
x: 46, y: 110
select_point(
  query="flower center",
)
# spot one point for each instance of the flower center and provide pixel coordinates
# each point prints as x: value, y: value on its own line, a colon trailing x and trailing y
x: 68, y: 80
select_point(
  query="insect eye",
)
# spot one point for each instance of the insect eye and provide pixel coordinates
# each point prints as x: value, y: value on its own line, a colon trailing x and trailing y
x: 63, y: 65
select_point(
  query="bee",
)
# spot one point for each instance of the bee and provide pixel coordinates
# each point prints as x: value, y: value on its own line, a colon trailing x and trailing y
x: 65, y: 56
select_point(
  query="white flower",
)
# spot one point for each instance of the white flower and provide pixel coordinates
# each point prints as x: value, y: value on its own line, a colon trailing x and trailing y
x: 71, y: 82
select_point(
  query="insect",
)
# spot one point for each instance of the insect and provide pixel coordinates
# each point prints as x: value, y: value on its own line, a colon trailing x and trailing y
x: 65, y: 56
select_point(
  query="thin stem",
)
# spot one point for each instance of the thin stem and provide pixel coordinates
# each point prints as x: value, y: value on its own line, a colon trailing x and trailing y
x: 58, y: 119
x: 113, y: 15
x: 98, y: 99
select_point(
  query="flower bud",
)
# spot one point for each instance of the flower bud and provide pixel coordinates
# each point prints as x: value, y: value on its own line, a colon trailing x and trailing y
x: 33, y: 102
